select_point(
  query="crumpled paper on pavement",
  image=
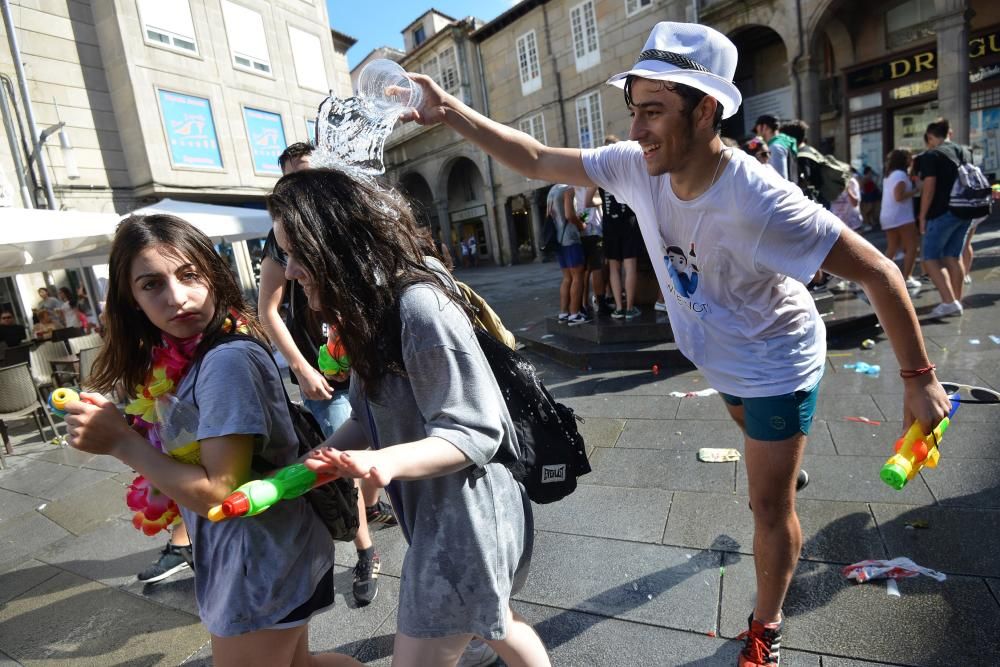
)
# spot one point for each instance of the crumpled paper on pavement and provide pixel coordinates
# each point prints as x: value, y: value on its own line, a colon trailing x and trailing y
x: 897, y: 568
x: 690, y: 394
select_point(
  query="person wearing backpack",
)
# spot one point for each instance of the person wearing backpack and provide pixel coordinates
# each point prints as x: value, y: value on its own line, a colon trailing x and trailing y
x: 425, y: 400
x: 782, y: 147
x: 944, y: 232
x: 172, y: 303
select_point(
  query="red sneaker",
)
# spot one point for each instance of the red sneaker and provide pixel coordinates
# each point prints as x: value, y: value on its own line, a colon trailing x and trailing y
x: 762, y: 645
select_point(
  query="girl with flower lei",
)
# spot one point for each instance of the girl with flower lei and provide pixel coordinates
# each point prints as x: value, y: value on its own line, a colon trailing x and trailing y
x: 171, y: 301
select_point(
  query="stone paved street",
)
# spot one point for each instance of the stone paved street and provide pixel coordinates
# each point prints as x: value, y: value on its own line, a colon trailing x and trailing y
x: 648, y: 563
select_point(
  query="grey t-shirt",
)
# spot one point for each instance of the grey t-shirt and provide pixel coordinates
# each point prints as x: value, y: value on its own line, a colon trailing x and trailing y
x: 471, y: 531
x: 253, y: 571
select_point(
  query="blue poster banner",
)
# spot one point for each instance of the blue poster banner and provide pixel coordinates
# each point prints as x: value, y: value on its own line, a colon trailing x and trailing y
x: 190, y: 131
x: 267, y: 140
x: 311, y: 131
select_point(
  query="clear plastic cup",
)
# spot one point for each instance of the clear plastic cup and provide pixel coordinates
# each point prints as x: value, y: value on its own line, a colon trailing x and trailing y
x: 385, y: 84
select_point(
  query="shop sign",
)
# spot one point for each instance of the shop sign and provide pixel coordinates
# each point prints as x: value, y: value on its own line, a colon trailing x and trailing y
x: 914, y: 89
x: 918, y: 63
x: 190, y: 130
x: 469, y: 213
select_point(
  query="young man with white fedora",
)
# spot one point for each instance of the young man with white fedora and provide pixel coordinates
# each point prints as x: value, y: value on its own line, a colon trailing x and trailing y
x: 733, y: 246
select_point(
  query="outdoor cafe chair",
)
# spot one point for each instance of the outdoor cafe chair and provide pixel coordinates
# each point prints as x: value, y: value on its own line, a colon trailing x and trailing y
x: 79, y: 343
x: 19, y: 398
x: 41, y: 363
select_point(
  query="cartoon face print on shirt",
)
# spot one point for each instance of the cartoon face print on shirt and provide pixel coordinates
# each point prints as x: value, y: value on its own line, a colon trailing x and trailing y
x: 683, y: 272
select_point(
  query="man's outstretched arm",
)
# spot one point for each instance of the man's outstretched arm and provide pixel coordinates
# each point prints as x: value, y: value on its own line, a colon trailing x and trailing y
x: 517, y: 150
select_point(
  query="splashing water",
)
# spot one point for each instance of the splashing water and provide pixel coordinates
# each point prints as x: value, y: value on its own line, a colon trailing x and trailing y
x: 351, y: 133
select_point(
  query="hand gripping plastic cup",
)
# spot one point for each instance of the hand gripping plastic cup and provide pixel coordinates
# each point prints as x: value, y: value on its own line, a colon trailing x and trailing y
x: 385, y: 84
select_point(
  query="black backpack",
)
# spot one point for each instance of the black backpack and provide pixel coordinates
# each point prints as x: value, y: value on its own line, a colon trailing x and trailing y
x: 971, y: 196
x: 552, y: 452
x: 550, y: 242
x: 336, y: 503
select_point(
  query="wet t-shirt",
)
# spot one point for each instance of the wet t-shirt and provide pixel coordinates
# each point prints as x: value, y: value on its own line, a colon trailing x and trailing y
x: 732, y: 264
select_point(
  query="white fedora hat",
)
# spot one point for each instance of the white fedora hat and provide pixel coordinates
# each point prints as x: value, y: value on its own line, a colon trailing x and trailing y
x: 692, y: 54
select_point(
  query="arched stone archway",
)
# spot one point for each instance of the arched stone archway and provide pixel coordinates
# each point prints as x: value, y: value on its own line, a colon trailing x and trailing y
x: 421, y: 197
x: 762, y: 75
x: 467, y: 209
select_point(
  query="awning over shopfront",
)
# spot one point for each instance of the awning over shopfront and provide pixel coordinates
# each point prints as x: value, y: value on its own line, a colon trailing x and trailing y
x: 221, y: 223
x: 40, y: 240
x: 33, y: 240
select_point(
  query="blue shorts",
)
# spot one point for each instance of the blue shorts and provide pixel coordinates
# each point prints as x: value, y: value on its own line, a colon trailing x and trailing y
x: 570, y: 256
x: 330, y: 414
x: 945, y: 236
x: 773, y: 418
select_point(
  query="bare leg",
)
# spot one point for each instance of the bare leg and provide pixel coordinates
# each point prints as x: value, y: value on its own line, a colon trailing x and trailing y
x: 615, y: 278
x: 911, y: 242
x: 564, y: 294
x: 363, y: 538
x: 522, y: 647
x: 370, y: 491
x: 441, y: 652
x: 956, y: 275
x: 631, y: 277
x: 273, y: 647
x: 772, y: 468
x: 893, y: 242
x: 179, y: 535
x: 939, y: 276
x: 576, y: 289
x: 598, y: 278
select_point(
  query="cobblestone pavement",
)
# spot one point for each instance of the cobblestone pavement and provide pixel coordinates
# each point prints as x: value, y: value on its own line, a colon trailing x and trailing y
x: 648, y: 563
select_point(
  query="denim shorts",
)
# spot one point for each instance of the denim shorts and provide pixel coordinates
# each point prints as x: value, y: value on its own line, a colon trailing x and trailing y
x: 945, y: 236
x: 570, y: 256
x: 773, y: 418
x: 330, y: 414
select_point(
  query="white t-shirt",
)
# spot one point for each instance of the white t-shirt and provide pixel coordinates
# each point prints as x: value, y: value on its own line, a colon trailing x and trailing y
x: 731, y: 264
x: 842, y: 207
x: 896, y: 213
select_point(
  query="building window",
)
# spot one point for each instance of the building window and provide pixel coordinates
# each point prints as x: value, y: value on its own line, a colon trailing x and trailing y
x: 307, y: 53
x: 636, y: 6
x: 450, y: 78
x: 419, y: 36
x: 584, y: 25
x: 589, y: 119
x: 247, y: 44
x: 534, y: 125
x: 432, y: 69
x: 909, y: 22
x: 527, y: 61
x: 168, y: 23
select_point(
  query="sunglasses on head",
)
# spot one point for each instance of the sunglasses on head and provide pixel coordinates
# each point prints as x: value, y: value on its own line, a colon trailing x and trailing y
x: 963, y: 393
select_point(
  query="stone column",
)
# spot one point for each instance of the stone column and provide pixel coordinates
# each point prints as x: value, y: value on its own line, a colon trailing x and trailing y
x: 808, y: 96
x: 445, y: 223
x: 535, y: 200
x: 952, y: 25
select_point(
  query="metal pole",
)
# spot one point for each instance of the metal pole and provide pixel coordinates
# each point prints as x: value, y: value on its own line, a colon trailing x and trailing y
x: 15, y: 54
x: 15, y: 151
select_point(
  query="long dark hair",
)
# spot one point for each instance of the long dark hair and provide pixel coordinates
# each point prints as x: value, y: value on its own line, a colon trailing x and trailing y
x: 897, y: 159
x: 361, y: 247
x: 130, y: 337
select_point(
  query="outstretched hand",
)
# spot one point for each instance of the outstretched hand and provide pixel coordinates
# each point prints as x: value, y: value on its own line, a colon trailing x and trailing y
x: 924, y: 401
x: 368, y: 465
x: 432, y: 104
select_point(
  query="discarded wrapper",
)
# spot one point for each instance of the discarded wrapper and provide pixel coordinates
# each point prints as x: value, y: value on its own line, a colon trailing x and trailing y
x: 690, y: 394
x: 897, y: 568
x: 717, y: 455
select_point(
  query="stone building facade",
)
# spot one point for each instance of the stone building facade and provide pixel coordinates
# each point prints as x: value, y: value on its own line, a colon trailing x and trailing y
x: 866, y: 76
x: 187, y: 99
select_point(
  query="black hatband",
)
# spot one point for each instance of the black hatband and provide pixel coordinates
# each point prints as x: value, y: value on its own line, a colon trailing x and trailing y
x: 675, y: 59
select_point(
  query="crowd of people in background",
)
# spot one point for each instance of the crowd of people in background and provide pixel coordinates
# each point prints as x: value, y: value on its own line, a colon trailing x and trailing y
x: 863, y: 200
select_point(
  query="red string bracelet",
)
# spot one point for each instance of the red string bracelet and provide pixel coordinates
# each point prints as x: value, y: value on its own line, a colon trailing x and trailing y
x: 916, y: 372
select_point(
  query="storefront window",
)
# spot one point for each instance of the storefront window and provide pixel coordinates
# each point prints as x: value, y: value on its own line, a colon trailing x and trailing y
x: 910, y: 123
x: 862, y: 102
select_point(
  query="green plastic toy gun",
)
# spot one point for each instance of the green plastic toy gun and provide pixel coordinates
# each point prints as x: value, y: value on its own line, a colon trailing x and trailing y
x: 258, y: 495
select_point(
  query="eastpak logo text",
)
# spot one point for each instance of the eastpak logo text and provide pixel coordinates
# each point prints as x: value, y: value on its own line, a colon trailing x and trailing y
x: 556, y: 473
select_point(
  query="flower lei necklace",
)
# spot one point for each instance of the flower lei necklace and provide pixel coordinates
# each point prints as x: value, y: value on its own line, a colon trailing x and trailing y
x: 155, y: 511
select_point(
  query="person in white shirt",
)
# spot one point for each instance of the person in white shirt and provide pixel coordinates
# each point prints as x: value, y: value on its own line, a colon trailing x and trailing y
x: 896, y: 216
x: 748, y: 322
